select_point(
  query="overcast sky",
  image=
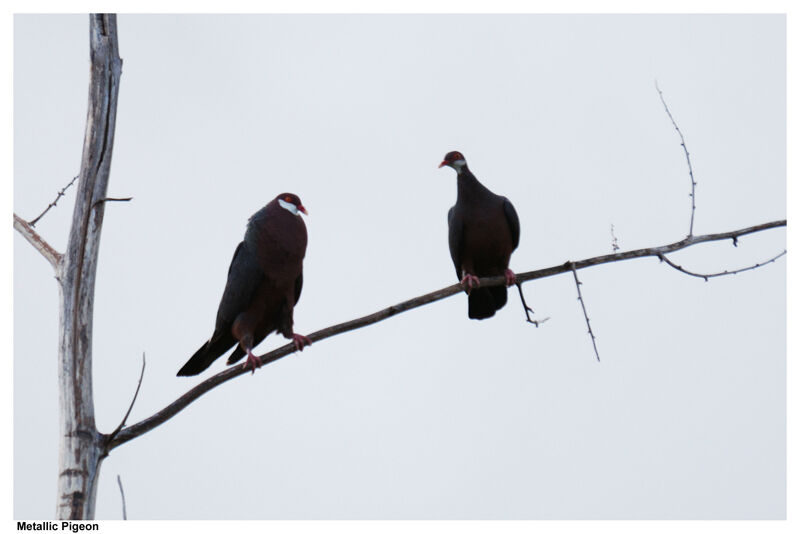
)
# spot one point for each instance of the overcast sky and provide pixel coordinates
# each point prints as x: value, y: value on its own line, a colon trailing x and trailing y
x: 428, y: 415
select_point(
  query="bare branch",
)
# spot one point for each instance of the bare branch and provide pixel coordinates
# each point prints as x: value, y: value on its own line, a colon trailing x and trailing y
x: 27, y: 231
x: 686, y: 151
x: 122, y: 493
x: 723, y: 273
x: 614, y: 242
x: 53, y: 203
x: 133, y: 401
x: 529, y: 310
x: 111, y: 199
x: 585, y: 315
x: 137, y: 429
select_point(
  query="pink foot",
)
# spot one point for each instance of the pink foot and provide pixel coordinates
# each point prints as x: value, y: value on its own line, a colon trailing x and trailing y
x: 300, y: 341
x: 252, y: 361
x: 511, y: 278
x: 469, y: 281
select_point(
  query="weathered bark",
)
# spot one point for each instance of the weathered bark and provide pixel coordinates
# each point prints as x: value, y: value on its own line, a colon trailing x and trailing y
x: 81, y: 447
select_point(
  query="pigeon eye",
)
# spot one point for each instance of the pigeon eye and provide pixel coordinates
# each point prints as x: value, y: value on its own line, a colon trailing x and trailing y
x: 288, y: 199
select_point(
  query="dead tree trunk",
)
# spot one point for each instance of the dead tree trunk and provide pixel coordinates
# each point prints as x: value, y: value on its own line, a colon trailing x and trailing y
x: 81, y: 447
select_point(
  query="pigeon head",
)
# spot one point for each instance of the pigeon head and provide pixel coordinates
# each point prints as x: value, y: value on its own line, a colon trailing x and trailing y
x: 291, y: 203
x: 454, y: 160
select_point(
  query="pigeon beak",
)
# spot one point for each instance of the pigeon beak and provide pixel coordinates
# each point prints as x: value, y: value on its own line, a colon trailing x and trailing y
x: 442, y: 164
x: 302, y: 209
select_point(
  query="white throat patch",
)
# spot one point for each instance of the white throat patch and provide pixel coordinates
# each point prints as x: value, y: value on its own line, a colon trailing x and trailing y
x: 457, y: 164
x: 288, y: 206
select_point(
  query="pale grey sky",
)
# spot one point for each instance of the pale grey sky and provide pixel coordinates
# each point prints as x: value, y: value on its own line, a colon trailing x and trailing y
x: 429, y: 414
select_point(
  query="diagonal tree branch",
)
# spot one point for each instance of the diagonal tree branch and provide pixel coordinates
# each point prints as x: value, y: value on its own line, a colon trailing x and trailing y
x: 44, y: 248
x: 137, y: 429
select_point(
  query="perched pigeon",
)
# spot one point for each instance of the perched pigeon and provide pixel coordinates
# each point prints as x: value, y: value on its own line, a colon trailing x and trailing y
x: 484, y: 231
x: 264, y: 283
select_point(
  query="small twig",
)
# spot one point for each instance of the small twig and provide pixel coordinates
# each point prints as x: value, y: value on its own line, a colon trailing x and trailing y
x: 53, y: 203
x: 723, y: 273
x: 133, y: 401
x: 44, y: 248
x: 529, y: 310
x: 686, y: 151
x: 585, y: 315
x: 122, y: 492
x: 111, y: 199
x: 614, y: 243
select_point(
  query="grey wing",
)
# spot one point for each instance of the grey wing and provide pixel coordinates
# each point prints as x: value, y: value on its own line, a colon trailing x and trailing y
x: 513, y: 222
x: 244, y: 278
x: 455, y: 235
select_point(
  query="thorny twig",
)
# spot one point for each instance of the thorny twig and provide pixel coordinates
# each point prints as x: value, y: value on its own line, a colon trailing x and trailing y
x: 713, y: 275
x: 585, y: 315
x: 53, y: 203
x: 686, y: 151
x: 528, y: 309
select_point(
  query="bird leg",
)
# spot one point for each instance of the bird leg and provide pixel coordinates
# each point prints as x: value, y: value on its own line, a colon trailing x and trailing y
x: 511, y: 278
x: 252, y: 361
x: 300, y: 341
x: 469, y: 281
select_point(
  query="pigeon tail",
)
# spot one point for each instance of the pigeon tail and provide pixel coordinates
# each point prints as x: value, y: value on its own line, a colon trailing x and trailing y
x: 484, y: 302
x: 500, y: 296
x: 205, y: 355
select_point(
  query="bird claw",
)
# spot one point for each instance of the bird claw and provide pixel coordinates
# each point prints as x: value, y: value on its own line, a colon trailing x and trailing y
x: 300, y: 341
x: 469, y: 281
x: 252, y: 362
x: 511, y: 278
